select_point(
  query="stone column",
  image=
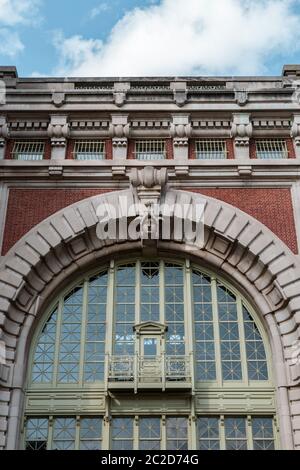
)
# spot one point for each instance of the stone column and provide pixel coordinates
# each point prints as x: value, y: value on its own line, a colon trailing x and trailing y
x: 241, y: 131
x: 181, y: 131
x: 58, y: 131
x: 295, y: 134
x: 119, y: 130
x: 4, y: 134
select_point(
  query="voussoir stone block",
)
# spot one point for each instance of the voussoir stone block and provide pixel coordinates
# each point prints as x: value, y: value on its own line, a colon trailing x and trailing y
x: 62, y: 227
x: 74, y: 220
x: 49, y: 234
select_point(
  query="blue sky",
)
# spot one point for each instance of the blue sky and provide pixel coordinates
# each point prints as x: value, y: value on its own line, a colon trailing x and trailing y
x: 149, y: 37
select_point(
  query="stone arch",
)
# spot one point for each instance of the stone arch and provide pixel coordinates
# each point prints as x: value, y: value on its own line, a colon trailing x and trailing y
x: 235, y: 243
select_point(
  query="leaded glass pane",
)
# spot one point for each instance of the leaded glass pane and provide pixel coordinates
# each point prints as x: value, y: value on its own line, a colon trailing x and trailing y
x: 150, y: 292
x: 70, y: 337
x: 123, y: 343
x: 122, y: 433
x: 204, y: 329
x: 235, y: 434
x: 177, y: 433
x: 90, y: 433
x: 149, y: 433
x: 36, y: 434
x: 255, y: 349
x: 95, y: 329
x: 64, y: 430
x: 229, y: 335
x: 174, y: 310
x: 43, y: 360
x: 208, y: 433
x: 263, y: 434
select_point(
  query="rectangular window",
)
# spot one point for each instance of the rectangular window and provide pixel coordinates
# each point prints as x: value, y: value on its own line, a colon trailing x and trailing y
x: 149, y: 433
x: 177, y: 433
x: 66, y: 435
x: 89, y: 150
x: 208, y: 433
x: 211, y: 149
x: 28, y: 150
x: 271, y: 149
x: 150, y: 150
x: 122, y: 433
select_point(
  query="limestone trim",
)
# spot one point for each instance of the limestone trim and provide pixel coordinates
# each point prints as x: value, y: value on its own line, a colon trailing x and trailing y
x: 236, y: 245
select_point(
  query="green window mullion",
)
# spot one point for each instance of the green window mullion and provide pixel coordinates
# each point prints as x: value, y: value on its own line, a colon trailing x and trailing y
x: 242, y: 340
x: 77, y: 434
x: 50, y: 432
x: 162, y: 305
x: 57, y: 340
x: 218, y: 356
x: 83, y: 333
x: 190, y: 339
x: 249, y: 433
x: 222, y: 433
x: 138, y: 274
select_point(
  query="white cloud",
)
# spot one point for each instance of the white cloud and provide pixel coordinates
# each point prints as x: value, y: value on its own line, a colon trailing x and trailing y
x: 12, y: 14
x: 101, y: 8
x: 181, y: 37
x: 10, y: 43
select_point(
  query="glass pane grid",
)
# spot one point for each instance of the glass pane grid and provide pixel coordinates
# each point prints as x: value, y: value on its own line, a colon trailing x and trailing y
x: 95, y: 329
x: 271, y: 148
x: 150, y: 150
x: 43, y: 360
x: 124, y: 312
x: 211, y: 149
x: 89, y: 150
x: 255, y: 349
x: 150, y: 310
x: 28, y: 150
x: 208, y: 433
x: 174, y: 310
x: 204, y: 328
x: 229, y: 335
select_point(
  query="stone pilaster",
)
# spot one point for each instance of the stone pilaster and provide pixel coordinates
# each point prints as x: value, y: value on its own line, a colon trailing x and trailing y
x: 119, y: 130
x: 58, y: 131
x: 295, y: 134
x: 181, y: 131
x: 241, y: 131
x: 4, y: 134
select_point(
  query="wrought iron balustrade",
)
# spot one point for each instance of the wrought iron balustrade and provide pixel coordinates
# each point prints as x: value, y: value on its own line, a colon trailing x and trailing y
x: 161, y: 369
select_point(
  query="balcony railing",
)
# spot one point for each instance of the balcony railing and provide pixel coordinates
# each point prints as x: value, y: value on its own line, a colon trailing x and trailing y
x: 154, y: 371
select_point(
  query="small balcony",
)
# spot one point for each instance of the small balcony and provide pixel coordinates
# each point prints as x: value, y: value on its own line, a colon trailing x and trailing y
x: 149, y: 372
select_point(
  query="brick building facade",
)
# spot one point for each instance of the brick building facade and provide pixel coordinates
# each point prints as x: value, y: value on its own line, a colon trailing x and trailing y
x: 68, y: 146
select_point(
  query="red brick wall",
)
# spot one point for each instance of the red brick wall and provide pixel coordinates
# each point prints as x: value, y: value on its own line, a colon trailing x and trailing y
x: 169, y: 149
x: 273, y: 207
x: 28, y: 207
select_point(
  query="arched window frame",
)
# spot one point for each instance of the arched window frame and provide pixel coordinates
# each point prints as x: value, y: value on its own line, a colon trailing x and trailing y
x: 38, y: 394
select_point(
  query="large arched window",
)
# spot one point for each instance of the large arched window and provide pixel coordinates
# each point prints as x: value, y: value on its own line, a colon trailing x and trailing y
x: 162, y: 330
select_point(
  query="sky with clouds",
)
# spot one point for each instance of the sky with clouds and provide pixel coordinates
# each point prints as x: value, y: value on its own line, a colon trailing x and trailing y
x: 149, y: 37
